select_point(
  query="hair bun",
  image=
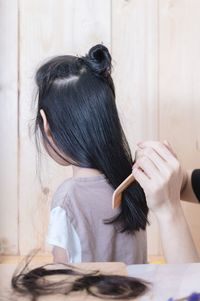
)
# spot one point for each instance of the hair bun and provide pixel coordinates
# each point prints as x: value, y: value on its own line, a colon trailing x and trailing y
x: 99, y: 60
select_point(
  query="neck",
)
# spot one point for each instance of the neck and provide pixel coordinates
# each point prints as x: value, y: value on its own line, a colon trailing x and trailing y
x: 84, y: 172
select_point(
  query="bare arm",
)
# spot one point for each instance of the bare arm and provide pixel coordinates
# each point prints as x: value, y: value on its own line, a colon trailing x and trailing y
x: 59, y: 255
x: 159, y: 173
x: 177, y: 242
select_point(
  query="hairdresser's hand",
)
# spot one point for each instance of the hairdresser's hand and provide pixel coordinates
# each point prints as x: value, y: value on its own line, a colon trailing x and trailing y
x: 159, y: 173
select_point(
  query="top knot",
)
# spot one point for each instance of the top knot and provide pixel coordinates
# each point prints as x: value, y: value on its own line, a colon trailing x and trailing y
x: 99, y: 60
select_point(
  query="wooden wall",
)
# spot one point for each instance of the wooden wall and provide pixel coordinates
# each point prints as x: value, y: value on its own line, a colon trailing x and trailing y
x: 9, y: 127
x: 155, y: 46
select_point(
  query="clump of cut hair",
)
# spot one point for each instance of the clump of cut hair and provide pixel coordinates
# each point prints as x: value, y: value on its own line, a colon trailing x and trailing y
x: 37, y: 282
x: 77, y: 95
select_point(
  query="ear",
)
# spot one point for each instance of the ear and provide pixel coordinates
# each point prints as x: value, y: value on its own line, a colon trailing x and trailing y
x: 45, y: 123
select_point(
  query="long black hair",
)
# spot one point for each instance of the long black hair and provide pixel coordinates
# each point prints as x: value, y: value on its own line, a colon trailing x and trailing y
x: 77, y: 95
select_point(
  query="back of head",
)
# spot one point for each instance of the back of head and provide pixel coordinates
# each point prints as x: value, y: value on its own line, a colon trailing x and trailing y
x: 78, y: 96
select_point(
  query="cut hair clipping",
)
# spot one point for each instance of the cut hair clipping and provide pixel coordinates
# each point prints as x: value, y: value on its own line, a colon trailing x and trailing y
x: 75, y: 282
x: 117, y: 195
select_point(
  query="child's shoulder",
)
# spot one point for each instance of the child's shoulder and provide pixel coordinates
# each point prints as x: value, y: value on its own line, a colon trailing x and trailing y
x: 61, y: 195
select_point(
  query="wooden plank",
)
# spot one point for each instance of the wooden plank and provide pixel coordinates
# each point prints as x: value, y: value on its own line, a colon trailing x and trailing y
x: 8, y: 126
x: 134, y: 49
x: 49, y: 29
x: 192, y: 213
x: 179, y: 89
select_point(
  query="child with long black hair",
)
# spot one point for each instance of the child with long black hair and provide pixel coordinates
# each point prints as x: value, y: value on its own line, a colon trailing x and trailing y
x: 79, y: 123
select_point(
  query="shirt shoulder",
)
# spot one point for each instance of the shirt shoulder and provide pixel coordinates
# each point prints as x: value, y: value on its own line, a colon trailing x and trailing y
x: 62, y: 195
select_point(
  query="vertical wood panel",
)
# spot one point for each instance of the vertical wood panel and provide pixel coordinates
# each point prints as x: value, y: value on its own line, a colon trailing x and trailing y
x: 156, y: 72
x: 8, y: 126
x: 49, y: 28
x: 179, y: 89
x: 134, y: 48
x: 134, y: 45
x: 192, y: 213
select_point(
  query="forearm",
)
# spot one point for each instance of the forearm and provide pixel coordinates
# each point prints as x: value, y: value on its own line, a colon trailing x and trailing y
x: 159, y: 172
x: 177, y: 242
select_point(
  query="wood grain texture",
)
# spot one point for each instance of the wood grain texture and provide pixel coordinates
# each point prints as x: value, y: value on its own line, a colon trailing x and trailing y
x: 192, y: 213
x: 134, y: 49
x: 155, y: 46
x: 179, y: 65
x: 9, y: 126
x: 179, y: 89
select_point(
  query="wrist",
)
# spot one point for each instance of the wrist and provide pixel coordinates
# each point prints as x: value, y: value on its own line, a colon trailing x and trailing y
x: 169, y: 213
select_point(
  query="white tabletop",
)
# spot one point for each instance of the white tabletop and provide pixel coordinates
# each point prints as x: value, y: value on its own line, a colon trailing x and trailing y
x: 168, y: 280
